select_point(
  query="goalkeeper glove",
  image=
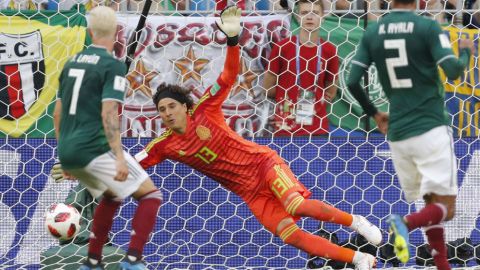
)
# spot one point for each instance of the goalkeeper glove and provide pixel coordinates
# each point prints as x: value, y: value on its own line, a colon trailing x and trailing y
x: 57, y: 172
x: 230, y: 24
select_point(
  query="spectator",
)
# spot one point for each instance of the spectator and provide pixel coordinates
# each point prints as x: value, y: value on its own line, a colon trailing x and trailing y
x: 89, y: 4
x: 157, y: 6
x: 472, y: 19
x: 277, y: 5
x: 201, y: 5
x: 476, y: 14
x: 374, y: 8
x: 25, y: 4
x: 435, y: 9
x: 301, y: 76
x: 251, y: 5
x: 221, y: 4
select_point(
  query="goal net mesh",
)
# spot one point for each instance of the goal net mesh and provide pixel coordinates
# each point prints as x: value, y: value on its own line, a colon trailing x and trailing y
x: 200, y: 224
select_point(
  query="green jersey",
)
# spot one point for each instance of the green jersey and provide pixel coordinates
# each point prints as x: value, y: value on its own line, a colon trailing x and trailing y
x: 406, y: 50
x: 89, y: 78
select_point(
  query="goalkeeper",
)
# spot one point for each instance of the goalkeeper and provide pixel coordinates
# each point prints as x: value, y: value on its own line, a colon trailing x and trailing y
x: 199, y: 136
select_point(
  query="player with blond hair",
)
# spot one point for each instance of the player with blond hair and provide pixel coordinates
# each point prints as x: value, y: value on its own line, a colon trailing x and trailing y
x: 92, y: 85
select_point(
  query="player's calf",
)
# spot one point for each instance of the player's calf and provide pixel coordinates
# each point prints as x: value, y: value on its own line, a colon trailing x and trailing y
x: 298, y: 206
x: 314, y: 244
x: 436, y: 240
x: 143, y: 223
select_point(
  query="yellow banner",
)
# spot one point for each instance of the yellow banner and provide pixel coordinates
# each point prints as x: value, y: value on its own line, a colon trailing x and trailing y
x: 32, y: 54
x: 470, y: 84
x: 462, y: 96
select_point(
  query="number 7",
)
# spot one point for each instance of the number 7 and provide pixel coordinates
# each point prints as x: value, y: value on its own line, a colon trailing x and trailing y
x: 78, y: 75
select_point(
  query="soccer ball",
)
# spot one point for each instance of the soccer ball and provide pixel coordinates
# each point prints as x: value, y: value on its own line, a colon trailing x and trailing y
x: 62, y: 221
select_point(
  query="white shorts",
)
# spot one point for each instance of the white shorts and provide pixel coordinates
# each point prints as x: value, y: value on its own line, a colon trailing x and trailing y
x: 98, y: 176
x: 426, y: 164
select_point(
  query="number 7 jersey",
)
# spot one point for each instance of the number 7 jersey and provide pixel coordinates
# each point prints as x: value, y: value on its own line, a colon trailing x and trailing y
x: 89, y: 78
x: 406, y: 50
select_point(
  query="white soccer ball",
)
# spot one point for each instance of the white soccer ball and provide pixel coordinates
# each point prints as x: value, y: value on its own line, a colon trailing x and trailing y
x: 62, y: 221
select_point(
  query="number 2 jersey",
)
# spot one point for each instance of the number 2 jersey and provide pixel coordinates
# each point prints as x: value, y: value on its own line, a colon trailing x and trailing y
x: 210, y: 146
x: 89, y: 78
x: 407, y: 49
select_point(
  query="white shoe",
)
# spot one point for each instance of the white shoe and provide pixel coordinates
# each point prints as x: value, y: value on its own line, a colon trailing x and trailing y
x: 366, y: 262
x: 371, y: 232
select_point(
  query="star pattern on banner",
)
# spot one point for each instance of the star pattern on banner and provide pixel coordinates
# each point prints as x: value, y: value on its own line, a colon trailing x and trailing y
x: 140, y: 78
x: 191, y: 66
x: 246, y: 78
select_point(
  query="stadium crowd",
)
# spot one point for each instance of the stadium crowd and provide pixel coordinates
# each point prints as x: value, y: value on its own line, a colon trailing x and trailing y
x: 441, y: 10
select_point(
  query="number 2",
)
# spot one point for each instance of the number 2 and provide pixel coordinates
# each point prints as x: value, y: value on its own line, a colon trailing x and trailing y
x: 78, y: 75
x: 400, y: 61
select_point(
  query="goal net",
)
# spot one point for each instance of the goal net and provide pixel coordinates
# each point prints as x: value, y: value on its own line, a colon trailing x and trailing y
x: 201, y: 225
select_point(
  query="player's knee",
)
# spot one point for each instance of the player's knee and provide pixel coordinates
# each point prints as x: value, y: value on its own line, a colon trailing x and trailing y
x: 109, y: 195
x: 289, y: 235
x: 155, y: 195
x: 450, y: 212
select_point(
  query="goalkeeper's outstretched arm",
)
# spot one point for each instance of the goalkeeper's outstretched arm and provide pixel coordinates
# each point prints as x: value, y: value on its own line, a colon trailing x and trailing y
x: 230, y: 25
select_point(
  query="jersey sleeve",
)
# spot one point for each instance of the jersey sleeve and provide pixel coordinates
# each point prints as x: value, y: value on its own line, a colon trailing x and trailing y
x: 151, y: 155
x: 274, y: 60
x: 362, y: 56
x: 439, y: 43
x: 60, y: 79
x: 361, y: 61
x: 215, y: 95
x: 332, y: 64
x: 115, y: 82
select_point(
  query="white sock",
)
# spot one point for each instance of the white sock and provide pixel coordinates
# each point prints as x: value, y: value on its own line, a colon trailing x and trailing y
x: 354, y: 225
x: 357, y: 257
x: 132, y: 258
x: 93, y: 261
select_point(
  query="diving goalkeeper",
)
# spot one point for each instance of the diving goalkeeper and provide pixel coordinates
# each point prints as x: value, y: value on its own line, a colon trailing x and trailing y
x: 199, y: 137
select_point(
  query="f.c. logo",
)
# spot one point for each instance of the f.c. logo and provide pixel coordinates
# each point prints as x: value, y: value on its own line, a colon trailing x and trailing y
x: 22, y: 73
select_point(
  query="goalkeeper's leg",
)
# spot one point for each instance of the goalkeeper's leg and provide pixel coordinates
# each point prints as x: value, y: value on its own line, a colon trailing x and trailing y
x: 291, y: 234
x: 271, y: 213
x: 286, y: 188
x: 296, y: 205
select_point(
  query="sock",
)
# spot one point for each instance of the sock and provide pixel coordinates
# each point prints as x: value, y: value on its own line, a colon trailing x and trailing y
x: 320, y: 211
x: 436, y: 240
x: 431, y: 214
x: 315, y: 245
x: 143, y: 223
x: 102, y: 223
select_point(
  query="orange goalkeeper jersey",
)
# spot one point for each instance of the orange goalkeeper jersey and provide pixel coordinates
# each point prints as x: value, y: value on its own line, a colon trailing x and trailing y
x: 210, y: 146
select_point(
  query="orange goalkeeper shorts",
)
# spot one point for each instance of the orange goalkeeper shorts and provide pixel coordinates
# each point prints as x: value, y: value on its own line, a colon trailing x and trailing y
x: 267, y: 204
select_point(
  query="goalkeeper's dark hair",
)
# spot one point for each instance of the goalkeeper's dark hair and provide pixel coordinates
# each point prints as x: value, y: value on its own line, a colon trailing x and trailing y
x: 314, y: 2
x: 404, y: 2
x: 180, y: 94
